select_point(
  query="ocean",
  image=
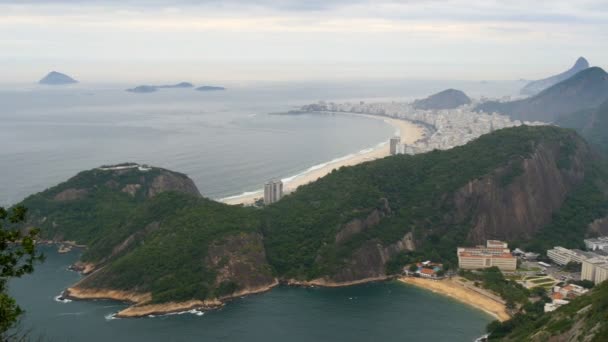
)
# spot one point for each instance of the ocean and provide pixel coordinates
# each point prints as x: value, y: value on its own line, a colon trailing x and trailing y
x: 229, y: 144
x: 388, y: 311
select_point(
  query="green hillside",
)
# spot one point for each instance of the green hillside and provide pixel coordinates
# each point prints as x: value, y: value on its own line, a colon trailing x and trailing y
x: 584, y: 319
x: 347, y: 226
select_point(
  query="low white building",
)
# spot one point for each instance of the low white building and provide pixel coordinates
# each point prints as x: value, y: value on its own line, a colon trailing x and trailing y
x: 562, y: 256
x: 600, y: 243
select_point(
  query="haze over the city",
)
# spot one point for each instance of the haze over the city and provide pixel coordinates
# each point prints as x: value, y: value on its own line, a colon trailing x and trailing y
x: 147, y: 41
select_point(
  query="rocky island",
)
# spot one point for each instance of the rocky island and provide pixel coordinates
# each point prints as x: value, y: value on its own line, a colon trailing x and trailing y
x: 210, y: 88
x: 144, y: 89
x: 57, y: 78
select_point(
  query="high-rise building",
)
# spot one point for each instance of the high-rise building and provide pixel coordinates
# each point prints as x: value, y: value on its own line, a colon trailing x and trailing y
x: 273, y: 191
x: 394, y: 145
x: 595, y: 269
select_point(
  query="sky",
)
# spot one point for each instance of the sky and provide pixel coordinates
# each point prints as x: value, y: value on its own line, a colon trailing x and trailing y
x: 162, y: 40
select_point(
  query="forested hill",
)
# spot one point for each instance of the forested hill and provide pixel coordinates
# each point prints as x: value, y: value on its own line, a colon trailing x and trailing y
x: 85, y: 207
x: 530, y: 185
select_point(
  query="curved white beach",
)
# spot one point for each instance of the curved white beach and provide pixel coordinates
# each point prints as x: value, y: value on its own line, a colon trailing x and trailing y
x: 408, y: 131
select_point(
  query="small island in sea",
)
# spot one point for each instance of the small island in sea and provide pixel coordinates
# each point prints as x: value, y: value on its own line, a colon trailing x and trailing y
x: 210, y: 88
x: 144, y: 89
x: 57, y: 78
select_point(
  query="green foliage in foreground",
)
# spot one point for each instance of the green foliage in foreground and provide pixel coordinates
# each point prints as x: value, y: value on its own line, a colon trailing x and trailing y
x: 585, y: 318
x: 17, y: 257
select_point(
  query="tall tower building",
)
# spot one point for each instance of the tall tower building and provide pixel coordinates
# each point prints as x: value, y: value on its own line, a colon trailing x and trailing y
x: 273, y: 191
x: 394, y: 144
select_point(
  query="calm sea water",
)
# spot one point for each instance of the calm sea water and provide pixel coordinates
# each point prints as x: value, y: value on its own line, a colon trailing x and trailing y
x: 225, y: 141
x: 373, y: 312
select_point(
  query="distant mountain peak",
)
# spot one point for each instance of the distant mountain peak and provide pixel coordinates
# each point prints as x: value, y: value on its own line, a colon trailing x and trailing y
x: 585, y: 90
x: 447, y: 99
x: 57, y: 78
x: 536, y: 87
x: 581, y: 63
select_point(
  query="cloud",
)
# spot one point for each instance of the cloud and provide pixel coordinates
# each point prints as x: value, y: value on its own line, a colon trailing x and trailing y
x: 363, y: 32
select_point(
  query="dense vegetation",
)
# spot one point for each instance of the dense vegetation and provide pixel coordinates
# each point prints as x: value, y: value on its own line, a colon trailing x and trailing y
x: 168, y: 260
x: 303, y: 226
x: 585, y: 318
x: 161, y: 244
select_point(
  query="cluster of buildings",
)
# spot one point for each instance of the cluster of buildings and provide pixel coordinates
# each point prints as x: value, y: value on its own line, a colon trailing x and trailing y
x: 594, y: 261
x: 426, y: 269
x: 273, y: 191
x: 562, y: 296
x: 494, y: 253
x: 445, y: 129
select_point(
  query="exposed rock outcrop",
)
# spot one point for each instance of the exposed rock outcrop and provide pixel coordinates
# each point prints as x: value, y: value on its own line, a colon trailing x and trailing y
x: 70, y: 195
x: 170, y: 181
x: 521, y: 208
x: 241, y: 259
x: 356, y: 226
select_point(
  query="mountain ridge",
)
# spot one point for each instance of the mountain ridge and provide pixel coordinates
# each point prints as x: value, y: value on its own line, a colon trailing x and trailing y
x: 535, y: 87
x: 585, y: 90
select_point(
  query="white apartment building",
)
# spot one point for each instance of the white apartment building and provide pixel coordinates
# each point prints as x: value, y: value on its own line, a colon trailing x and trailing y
x: 563, y: 256
x: 273, y: 191
x: 595, y: 269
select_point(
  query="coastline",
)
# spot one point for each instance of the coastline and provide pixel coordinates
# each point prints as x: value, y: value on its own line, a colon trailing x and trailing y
x: 141, y: 306
x: 407, y: 130
x: 325, y: 283
x: 451, y: 288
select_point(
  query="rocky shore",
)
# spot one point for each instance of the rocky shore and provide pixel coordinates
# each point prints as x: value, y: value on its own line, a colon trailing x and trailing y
x: 141, y: 306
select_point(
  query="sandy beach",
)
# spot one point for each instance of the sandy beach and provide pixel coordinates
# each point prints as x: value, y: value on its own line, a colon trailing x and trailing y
x: 451, y: 288
x: 408, y: 131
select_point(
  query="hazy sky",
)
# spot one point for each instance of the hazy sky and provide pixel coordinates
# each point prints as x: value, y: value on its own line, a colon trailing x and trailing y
x: 162, y: 40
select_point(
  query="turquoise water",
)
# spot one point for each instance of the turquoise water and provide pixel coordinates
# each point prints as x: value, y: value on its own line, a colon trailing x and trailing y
x: 388, y: 311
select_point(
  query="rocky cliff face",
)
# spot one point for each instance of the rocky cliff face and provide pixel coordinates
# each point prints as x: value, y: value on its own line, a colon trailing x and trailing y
x: 369, y: 261
x: 519, y: 209
x: 240, y: 260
